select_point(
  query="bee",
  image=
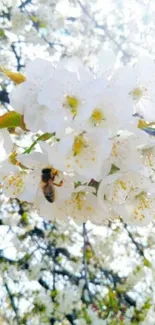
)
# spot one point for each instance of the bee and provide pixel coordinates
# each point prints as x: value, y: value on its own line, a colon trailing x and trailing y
x: 47, y: 183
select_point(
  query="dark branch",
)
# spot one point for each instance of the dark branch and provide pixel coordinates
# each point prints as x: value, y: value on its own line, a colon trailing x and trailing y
x: 104, y: 28
x: 137, y: 245
x: 14, y: 307
x: 4, y: 97
x: 85, y: 267
x: 17, y: 56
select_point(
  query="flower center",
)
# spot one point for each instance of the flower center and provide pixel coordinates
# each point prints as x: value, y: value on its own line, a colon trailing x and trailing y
x: 15, y: 183
x: 72, y: 104
x: 149, y: 157
x: 79, y: 144
x: 123, y: 185
x: 115, y: 150
x: 138, y: 92
x: 143, y: 201
x: 79, y: 197
x: 97, y: 116
x: 13, y: 158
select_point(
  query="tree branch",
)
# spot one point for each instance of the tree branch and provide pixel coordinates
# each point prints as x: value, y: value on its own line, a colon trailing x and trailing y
x: 85, y: 267
x: 4, y: 96
x: 14, y: 307
x: 104, y: 28
x: 17, y: 56
x: 137, y: 245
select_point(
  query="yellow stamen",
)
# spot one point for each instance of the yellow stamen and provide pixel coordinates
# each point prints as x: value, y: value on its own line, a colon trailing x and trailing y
x: 123, y: 185
x: 137, y: 92
x: 72, y: 104
x: 97, y: 116
x: 144, y: 204
x: 79, y: 197
x: 79, y: 144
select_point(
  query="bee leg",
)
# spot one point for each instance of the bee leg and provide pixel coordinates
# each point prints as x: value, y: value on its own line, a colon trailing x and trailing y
x: 59, y: 185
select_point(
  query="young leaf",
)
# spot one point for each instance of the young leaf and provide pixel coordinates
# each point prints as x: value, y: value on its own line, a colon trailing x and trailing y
x: 11, y: 120
x: 17, y: 77
x: 43, y: 137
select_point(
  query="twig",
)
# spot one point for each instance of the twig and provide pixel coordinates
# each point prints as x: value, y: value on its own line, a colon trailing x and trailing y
x: 85, y: 268
x: 139, y: 249
x: 17, y: 56
x: 14, y: 307
x: 24, y: 4
x: 104, y: 28
x: 4, y: 98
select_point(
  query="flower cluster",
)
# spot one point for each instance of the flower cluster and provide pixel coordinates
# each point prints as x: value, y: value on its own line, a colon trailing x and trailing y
x: 95, y: 160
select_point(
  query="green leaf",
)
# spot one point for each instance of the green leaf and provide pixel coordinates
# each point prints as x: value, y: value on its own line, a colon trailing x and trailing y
x: 54, y: 293
x: 11, y: 120
x: 25, y: 218
x: 2, y: 33
x: 114, y: 169
x: 147, y: 262
x: 17, y: 77
x: 43, y: 137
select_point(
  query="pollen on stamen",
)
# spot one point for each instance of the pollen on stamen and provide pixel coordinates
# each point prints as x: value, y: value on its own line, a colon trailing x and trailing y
x: 114, y: 150
x: 123, y: 185
x: 79, y: 145
x: 15, y: 184
x: 72, y: 104
x: 79, y: 200
x: 138, y: 92
x: 97, y: 117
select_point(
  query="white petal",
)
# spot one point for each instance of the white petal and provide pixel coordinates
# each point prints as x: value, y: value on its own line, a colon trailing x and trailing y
x: 38, y: 68
x: 13, y: 184
x: 55, y: 121
x: 33, y: 160
x: 75, y: 65
x: 142, y: 219
x: 124, y: 77
x: 31, y: 186
x: 18, y: 97
x: 6, y: 144
x: 58, y: 152
x: 145, y: 69
x: 6, y: 168
x: 106, y: 62
x: 64, y: 191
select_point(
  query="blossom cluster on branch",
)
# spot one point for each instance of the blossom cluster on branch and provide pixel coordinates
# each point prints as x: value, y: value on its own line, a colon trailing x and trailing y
x: 95, y: 136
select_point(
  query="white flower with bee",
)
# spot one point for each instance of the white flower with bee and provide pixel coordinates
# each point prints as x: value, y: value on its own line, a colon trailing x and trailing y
x: 96, y: 132
x: 39, y: 183
x: 83, y: 153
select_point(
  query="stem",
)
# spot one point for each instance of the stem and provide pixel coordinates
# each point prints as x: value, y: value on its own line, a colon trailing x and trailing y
x: 85, y: 269
x: 14, y: 307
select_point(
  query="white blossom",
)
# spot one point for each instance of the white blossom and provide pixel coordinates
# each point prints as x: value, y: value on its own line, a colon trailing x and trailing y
x: 138, y: 84
x: 82, y: 205
x: 85, y: 153
x: 130, y: 196
x: 24, y: 98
